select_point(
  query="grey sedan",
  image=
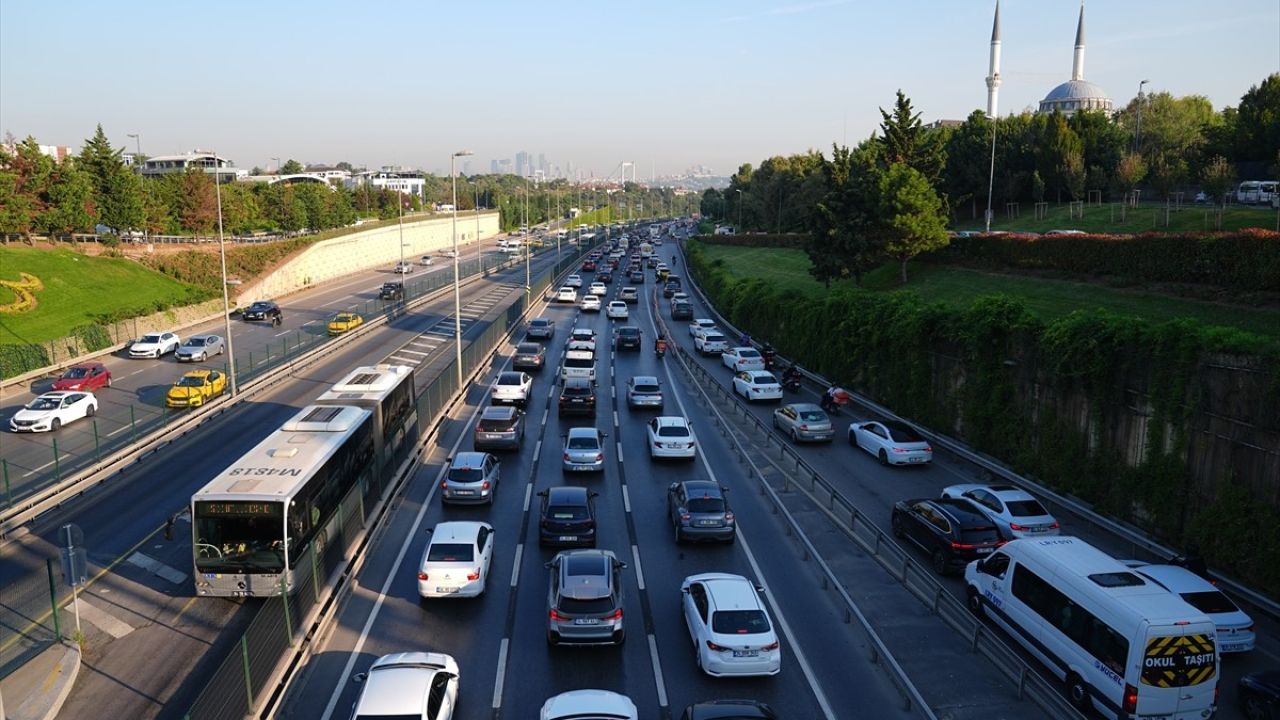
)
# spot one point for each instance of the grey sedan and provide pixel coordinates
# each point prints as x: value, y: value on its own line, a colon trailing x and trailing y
x: 804, y: 422
x: 584, y: 450
x: 199, y: 348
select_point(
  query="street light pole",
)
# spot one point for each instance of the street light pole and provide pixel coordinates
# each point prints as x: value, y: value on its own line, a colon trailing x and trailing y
x: 1137, y: 126
x: 226, y: 300
x: 527, y: 235
x: 138, y: 139
x: 457, y: 292
x: 400, y: 204
x: 277, y: 164
x: 738, y: 229
x: 479, y: 262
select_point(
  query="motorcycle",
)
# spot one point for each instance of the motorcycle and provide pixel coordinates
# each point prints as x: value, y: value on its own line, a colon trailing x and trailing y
x: 660, y: 351
x: 791, y: 383
x: 833, y: 400
x: 769, y: 356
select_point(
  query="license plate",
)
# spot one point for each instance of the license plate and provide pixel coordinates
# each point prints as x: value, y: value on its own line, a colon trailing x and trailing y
x: 586, y: 621
x: 983, y: 551
x: 708, y: 523
x: 746, y: 653
x: 567, y: 538
x: 823, y: 436
x: 447, y: 589
x: 464, y: 492
x: 1231, y: 647
x: 492, y: 436
x: 916, y: 459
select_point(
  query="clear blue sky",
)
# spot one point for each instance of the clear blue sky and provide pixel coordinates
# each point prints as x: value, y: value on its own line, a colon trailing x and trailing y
x: 664, y: 83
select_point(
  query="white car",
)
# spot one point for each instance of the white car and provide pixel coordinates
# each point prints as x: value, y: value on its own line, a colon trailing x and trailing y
x: 403, y: 268
x: 591, y: 303
x: 757, y: 385
x: 617, y: 310
x: 512, y: 386
x: 731, y: 632
x: 680, y: 297
x: 456, y: 561
x: 742, y: 358
x: 1235, y: 627
x: 710, y: 342
x: 671, y: 437
x: 893, y: 443
x: 598, y: 288
x: 700, y: 324
x: 581, y: 338
x: 409, y: 685
x: 589, y: 705
x: 573, y: 281
x: 566, y: 294
x: 1014, y: 510
x: 427, y: 261
x: 52, y: 410
x: 153, y: 345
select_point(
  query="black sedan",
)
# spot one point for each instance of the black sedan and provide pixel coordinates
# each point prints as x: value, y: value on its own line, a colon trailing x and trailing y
x: 567, y: 517
x: 264, y: 310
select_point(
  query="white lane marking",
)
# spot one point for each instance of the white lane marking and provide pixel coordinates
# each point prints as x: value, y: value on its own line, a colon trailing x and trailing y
x: 405, y: 360
x: 135, y: 372
x: 155, y: 567
x: 528, y: 496
x: 618, y: 443
x: 615, y: 420
x: 626, y: 499
x: 515, y: 565
x: 537, y: 447
x: 36, y: 470
x: 657, y: 671
x: 286, y: 332
x: 118, y: 430
x: 551, y: 391
x: 502, y: 673
x: 635, y: 555
x: 107, y: 622
x: 413, y: 352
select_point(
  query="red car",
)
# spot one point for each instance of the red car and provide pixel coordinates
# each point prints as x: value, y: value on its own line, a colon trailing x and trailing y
x: 85, y: 376
x: 589, y: 266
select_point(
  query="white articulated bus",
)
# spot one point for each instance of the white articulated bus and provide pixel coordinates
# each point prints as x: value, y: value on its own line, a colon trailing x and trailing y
x: 1120, y: 644
x: 388, y: 392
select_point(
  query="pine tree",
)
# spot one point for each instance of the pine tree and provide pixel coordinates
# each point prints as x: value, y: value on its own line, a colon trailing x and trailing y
x: 70, y: 201
x: 117, y: 192
x: 904, y: 139
x: 911, y: 215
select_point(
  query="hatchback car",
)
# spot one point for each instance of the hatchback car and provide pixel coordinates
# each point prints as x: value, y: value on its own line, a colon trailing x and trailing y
x: 629, y: 295
x: 1014, y: 510
x: 757, y: 385
x: 598, y: 288
x: 582, y: 338
x: 573, y: 281
x: 669, y: 288
x: 804, y: 422
x: 403, y: 268
x: 541, y: 329
x: 953, y: 531
x: 500, y: 427
x: 699, y: 510
x: 637, y: 276
x: 893, y: 443
x: 567, y: 517
x: 1235, y: 627
x: 85, y: 376
x: 605, y: 276
x: 584, y: 602
x: 153, y: 345
x: 731, y: 632
x: 409, y: 685
x: 52, y: 410
x: 627, y: 337
x: 584, y: 450
x: 566, y: 294
x: 577, y: 397
x: 699, y: 325
x: 589, y: 705
x: 591, y: 303
x: 742, y: 358
x: 671, y: 437
x: 472, y: 479
x: 644, y: 391
x: 196, y: 388
x: 729, y: 710
x: 345, y: 322
x: 263, y: 310
x: 456, y: 561
x: 529, y: 356
x: 199, y: 348
x: 511, y: 387
x: 617, y: 310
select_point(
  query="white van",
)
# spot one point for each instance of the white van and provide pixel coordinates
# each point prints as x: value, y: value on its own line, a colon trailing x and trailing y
x: 579, y: 364
x: 1256, y: 192
x: 1119, y: 643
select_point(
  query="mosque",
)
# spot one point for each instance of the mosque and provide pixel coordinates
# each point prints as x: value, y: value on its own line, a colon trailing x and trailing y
x: 1072, y: 95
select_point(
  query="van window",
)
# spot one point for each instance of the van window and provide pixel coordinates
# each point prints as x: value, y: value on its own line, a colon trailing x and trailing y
x: 1079, y: 625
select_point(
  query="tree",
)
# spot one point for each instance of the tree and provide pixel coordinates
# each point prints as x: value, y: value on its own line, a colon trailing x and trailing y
x: 843, y: 239
x: 1058, y: 148
x: 968, y: 154
x: 1166, y: 173
x: 198, y: 209
x: 24, y: 183
x: 70, y: 207
x: 1218, y: 178
x: 1258, y: 130
x: 904, y: 139
x: 1073, y: 175
x: 1131, y: 170
x: 291, y: 167
x: 910, y: 214
x: 117, y: 191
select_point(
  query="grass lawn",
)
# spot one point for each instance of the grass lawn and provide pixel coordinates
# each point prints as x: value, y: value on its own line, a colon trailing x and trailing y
x: 1046, y: 298
x: 77, y: 287
x: 1107, y: 219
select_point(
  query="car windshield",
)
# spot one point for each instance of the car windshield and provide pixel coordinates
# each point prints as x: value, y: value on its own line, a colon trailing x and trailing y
x: 465, y: 475
x: 979, y: 535
x: 343, y: 318
x: 712, y: 338
x: 901, y: 433
x: 196, y: 342
x: 583, y: 443
x: 189, y: 381
x: 150, y: 339
x: 45, y: 404
x: 495, y: 424
x: 813, y: 416
x: 76, y: 373
x: 451, y: 552
x: 765, y: 379
x: 706, y: 505
x: 628, y: 332
x: 580, y: 390
x: 510, y: 379
x: 1210, y: 602
x: 528, y: 348
x: 567, y: 512
x: 739, y: 622
x: 263, y: 305
x: 1026, y: 508
x: 539, y: 323
x: 673, y: 431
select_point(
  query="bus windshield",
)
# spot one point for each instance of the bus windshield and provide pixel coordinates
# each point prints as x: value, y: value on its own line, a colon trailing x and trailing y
x: 239, y: 537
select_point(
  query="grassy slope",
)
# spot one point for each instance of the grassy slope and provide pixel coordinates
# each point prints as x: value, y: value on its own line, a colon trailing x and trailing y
x: 76, y: 287
x: 1047, y: 299
x: 1106, y: 219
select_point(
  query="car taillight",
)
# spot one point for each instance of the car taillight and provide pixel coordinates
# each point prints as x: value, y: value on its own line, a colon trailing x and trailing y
x: 484, y: 485
x: 422, y: 576
x: 1054, y: 525
x: 928, y: 449
x: 728, y: 517
x: 771, y: 646
x: 475, y: 575
x: 444, y: 484
x: 1017, y: 528
x: 962, y: 546
x: 900, y: 450
x: 566, y: 456
x: 615, y: 615
x: 1130, y: 704
x: 684, y: 516
x: 555, y: 616
x: 804, y: 426
x: 599, y: 457
x: 715, y: 648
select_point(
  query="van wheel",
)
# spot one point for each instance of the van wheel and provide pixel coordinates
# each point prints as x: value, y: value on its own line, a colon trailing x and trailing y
x: 898, y: 532
x: 1078, y: 693
x: 974, y: 602
x: 939, y: 561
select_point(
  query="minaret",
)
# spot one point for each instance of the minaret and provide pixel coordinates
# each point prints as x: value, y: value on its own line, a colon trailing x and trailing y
x: 1077, y: 64
x: 993, y: 80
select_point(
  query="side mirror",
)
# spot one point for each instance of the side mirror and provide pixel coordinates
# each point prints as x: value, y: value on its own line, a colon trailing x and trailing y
x: 548, y: 565
x: 543, y: 493
x: 724, y: 488
x: 673, y: 486
x: 594, y: 494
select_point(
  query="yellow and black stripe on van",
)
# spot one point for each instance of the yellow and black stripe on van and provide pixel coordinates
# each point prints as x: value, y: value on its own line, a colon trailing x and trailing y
x: 1174, y: 661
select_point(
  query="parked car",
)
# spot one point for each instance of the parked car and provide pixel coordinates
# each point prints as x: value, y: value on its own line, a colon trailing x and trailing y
x: 577, y: 397
x: 892, y: 442
x: 567, y: 517
x: 345, y: 322
x: 541, y: 329
x: 627, y: 337
x: 1235, y: 628
x: 529, y: 356
x: 85, y: 376
x: 198, y: 348
x: 804, y: 422
x: 1017, y: 513
x: 196, y: 388
x: 755, y: 385
x: 671, y: 436
x: 584, y: 450
x: 584, y: 599
x: 644, y: 391
x: 263, y: 310
x: 409, y: 685
x: 472, y: 479
x: 731, y: 631
x: 392, y: 291
x: 500, y: 427
x: 456, y: 561
x: 511, y: 387
x: 589, y: 705
x: 952, y: 531
x: 699, y: 510
x: 153, y: 345
x: 52, y: 410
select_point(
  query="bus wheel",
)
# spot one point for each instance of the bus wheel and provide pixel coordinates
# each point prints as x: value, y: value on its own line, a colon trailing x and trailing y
x: 1078, y: 693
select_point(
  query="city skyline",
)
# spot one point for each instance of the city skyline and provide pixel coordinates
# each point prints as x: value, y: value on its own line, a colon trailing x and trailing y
x: 692, y: 85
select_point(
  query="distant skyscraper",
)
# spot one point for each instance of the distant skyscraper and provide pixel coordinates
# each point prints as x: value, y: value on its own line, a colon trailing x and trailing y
x: 522, y: 164
x: 542, y: 163
x: 493, y: 167
x: 504, y: 166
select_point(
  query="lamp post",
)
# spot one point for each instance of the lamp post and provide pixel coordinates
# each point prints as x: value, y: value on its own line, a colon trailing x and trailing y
x: 738, y: 229
x: 457, y: 292
x: 527, y: 235
x: 400, y: 204
x: 277, y: 164
x: 1137, y: 126
x: 138, y: 140
x: 226, y: 300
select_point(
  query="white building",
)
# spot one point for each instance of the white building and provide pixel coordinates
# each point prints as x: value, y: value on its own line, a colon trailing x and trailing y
x: 209, y: 162
x: 402, y: 183
x: 1076, y: 93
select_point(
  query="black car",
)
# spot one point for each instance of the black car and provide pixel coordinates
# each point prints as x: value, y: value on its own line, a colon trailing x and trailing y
x: 627, y: 338
x: 729, y: 710
x: 952, y: 530
x: 501, y: 427
x: 681, y: 311
x: 1259, y: 694
x: 578, y: 397
x: 567, y: 517
x: 604, y: 276
x: 670, y: 288
x: 264, y: 310
x: 529, y: 356
x: 392, y: 291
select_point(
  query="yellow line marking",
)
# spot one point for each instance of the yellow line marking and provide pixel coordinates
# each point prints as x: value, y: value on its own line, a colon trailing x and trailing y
x: 186, y: 607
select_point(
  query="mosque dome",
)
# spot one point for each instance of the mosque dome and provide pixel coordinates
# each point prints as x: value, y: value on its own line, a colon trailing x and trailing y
x: 1074, y: 95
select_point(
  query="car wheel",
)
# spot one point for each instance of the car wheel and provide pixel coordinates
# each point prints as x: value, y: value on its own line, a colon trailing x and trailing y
x: 89, y: 411
x: 54, y: 425
x: 898, y: 531
x: 108, y: 383
x: 1078, y: 693
x: 939, y: 561
x: 973, y: 601
x: 795, y: 437
x: 204, y: 356
x: 1254, y: 709
x: 884, y: 458
x: 775, y: 422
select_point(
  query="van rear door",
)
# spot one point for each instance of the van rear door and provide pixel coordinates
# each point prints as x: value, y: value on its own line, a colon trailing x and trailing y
x: 1179, y: 670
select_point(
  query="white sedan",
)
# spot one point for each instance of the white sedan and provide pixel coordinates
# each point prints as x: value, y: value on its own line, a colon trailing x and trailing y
x: 456, y: 561
x: 1015, y: 510
x: 1235, y: 627
x: 52, y: 410
x: 591, y: 303
x: 598, y: 288
x: 757, y: 385
x: 731, y: 632
x: 742, y: 358
x: 153, y: 345
x: 409, y: 685
x: 585, y: 704
x: 671, y: 437
x: 573, y: 281
x: 893, y: 443
x: 617, y: 310
x: 699, y: 325
x: 567, y: 294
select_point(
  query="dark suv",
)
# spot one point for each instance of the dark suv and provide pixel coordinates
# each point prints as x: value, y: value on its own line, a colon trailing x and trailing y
x: 627, y: 337
x: 952, y: 530
x: 501, y: 427
x: 392, y: 291
x: 578, y: 397
x: 729, y: 710
x: 681, y: 311
x: 584, y: 604
x: 567, y: 517
x: 264, y: 310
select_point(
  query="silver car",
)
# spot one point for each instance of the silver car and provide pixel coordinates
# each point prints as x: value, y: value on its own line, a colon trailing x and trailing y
x: 198, y: 348
x: 804, y: 422
x: 584, y: 603
x: 644, y: 391
x: 472, y: 479
x: 584, y: 450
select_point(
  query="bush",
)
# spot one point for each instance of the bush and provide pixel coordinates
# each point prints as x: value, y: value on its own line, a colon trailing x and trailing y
x: 786, y: 240
x: 17, y: 359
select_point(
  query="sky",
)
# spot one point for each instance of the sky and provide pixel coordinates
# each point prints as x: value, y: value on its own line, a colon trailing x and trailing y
x: 665, y: 84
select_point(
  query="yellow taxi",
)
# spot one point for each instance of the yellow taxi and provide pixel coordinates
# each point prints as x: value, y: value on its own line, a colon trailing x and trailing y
x: 344, y: 321
x: 196, y: 388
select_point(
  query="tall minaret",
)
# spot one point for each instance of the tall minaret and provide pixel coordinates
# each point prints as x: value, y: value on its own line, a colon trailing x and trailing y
x: 993, y: 80
x: 1077, y: 64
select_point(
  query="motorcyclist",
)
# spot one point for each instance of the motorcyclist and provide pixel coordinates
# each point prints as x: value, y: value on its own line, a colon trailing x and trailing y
x: 660, y: 345
x: 792, y: 374
x: 768, y: 353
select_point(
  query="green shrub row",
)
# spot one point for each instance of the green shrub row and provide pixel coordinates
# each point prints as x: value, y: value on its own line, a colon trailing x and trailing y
x: 1246, y: 260
x: 18, y: 359
x: 976, y: 373
x: 204, y: 269
x: 783, y: 240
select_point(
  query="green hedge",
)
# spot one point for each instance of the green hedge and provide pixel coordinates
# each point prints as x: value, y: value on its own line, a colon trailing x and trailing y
x: 785, y: 240
x: 18, y: 359
x: 1246, y: 261
x: 974, y: 372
